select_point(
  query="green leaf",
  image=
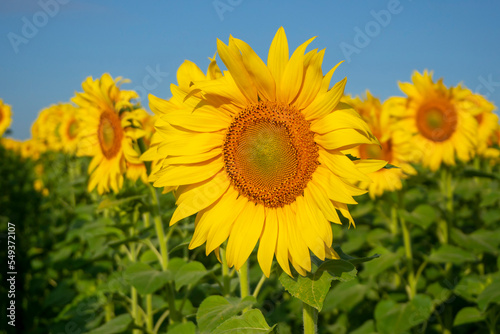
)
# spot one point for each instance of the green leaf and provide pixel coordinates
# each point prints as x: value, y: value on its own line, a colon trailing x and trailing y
x: 489, y: 295
x: 423, y: 215
x: 470, y: 287
x: 490, y: 199
x: 115, y: 325
x: 394, y: 318
x: 313, y: 288
x: 468, y: 315
x: 109, y: 203
x: 478, y: 173
x: 354, y: 260
x: 387, y: 260
x: 352, y: 158
x: 190, y: 273
x: 214, y: 310
x: 451, y: 254
x: 389, y: 166
x: 345, y: 296
x: 250, y: 322
x: 185, y: 328
x: 367, y: 328
x: 146, y: 279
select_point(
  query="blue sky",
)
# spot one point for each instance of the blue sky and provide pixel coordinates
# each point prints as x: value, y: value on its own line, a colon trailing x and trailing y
x: 48, y: 47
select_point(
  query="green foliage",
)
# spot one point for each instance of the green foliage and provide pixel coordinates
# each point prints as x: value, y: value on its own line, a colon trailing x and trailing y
x: 93, y: 263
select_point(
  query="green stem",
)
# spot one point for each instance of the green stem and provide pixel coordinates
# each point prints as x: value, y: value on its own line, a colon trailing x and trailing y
x: 160, y: 232
x: 394, y: 220
x: 109, y: 313
x: 244, y: 284
x: 226, y: 278
x: 149, y: 312
x: 412, y: 283
x: 259, y: 286
x: 310, y: 318
x: 135, y: 310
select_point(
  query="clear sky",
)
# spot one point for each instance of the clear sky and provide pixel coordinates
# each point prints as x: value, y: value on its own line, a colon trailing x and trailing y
x: 48, y: 47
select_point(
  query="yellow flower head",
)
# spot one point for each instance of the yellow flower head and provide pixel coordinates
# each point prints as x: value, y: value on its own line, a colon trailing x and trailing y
x: 68, y: 129
x: 5, y: 117
x: 11, y: 144
x: 487, y: 120
x: 108, y: 130
x: 440, y: 128
x: 394, y: 147
x: 256, y: 151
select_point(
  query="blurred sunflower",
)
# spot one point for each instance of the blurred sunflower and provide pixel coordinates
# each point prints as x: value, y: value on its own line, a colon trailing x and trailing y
x: 108, y: 131
x: 45, y: 129
x: 394, y: 147
x: 68, y: 129
x: 256, y: 151
x: 5, y: 117
x: 11, y: 144
x: 487, y: 120
x: 440, y: 127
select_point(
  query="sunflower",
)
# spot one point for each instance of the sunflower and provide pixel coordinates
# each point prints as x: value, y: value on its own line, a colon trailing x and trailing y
x: 108, y: 129
x: 441, y: 128
x: 394, y: 146
x: 68, y: 129
x: 5, y: 117
x: 45, y: 129
x: 256, y: 152
x: 11, y: 144
x: 487, y: 120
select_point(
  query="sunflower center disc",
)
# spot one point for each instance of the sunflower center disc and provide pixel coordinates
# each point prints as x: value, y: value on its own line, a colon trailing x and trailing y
x: 270, y: 153
x: 437, y: 122
x: 110, y: 134
x: 72, y: 127
x: 372, y: 151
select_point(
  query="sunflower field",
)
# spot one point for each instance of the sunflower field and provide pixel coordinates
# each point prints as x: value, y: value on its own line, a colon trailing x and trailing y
x: 259, y: 198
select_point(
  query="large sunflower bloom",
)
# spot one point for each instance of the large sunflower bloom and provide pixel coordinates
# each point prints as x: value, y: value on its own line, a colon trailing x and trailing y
x: 257, y: 152
x: 108, y: 130
x: 394, y: 146
x: 5, y: 117
x: 441, y: 127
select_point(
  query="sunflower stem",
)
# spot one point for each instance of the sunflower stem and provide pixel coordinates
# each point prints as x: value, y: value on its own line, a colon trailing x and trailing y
x: 226, y: 278
x: 412, y: 282
x: 160, y: 232
x: 259, y: 286
x: 149, y: 313
x: 310, y: 318
x: 244, y: 284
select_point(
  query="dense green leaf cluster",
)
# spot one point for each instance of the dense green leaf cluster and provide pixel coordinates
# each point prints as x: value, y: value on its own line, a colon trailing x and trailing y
x: 94, y: 264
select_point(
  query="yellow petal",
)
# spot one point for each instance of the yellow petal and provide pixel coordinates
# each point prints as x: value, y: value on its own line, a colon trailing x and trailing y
x: 223, y: 218
x: 195, y: 197
x: 179, y: 175
x: 234, y: 63
x: 312, y: 81
x: 325, y: 103
x: 267, y: 243
x: 310, y: 229
x: 291, y: 80
x: 258, y: 71
x: 244, y: 235
x: 282, y: 244
x: 343, y: 139
x: 277, y: 58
